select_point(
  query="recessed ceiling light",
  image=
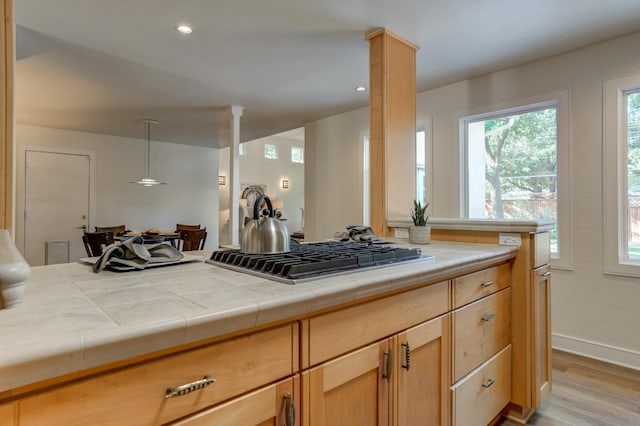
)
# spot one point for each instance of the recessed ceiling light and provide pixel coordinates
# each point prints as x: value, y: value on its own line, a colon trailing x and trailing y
x: 184, y: 29
x: 360, y: 89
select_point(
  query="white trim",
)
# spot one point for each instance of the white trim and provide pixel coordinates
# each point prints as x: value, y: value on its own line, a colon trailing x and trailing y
x: 560, y: 99
x: 614, y: 176
x: 600, y: 351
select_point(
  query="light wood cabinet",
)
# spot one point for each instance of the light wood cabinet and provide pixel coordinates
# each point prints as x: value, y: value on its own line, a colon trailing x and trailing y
x: 351, y: 390
x: 530, y: 320
x: 541, y: 299
x: 338, y: 332
x: 480, y: 330
x: 475, y: 286
x: 421, y: 374
x: 272, y: 405
x: 138, y: 395
x: 7, y: 415
x: 480, y: 396
x: 408, y: 358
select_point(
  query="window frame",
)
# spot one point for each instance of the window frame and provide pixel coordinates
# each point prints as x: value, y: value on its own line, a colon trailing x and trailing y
x: 615, y: 185
x: 560, y: 100
x: 265, y: 151
x: 294, y: 147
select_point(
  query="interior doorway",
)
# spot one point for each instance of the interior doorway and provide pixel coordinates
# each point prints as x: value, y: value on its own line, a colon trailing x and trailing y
x: 56, y: 203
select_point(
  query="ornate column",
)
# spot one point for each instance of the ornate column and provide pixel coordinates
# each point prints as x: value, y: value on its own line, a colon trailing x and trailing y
x: 234, y: 171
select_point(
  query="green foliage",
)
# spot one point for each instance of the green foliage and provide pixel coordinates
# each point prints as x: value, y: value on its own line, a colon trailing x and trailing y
x: 633, y: 141
x: 419, y: 213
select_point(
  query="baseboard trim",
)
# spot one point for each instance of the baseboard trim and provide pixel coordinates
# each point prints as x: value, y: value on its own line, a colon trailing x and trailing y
x: 607, y: 353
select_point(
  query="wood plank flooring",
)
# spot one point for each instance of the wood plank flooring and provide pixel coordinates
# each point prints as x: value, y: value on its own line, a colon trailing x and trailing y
x: 588, y: 392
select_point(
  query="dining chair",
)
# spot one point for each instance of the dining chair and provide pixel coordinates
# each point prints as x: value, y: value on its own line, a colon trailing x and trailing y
x: 181, y: 227
x: 95, y: 242
x: 192, y: 239
x: 117, y: 230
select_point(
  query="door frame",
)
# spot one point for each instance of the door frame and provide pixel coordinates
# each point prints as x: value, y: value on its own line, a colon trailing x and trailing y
x: 21, y: 186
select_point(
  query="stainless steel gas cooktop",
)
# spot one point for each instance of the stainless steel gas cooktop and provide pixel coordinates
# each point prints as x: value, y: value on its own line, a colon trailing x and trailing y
x: 311, y: 261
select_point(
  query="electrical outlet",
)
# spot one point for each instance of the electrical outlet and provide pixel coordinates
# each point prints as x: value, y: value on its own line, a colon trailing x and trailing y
x: 401, y: 233
x: 506, y: 239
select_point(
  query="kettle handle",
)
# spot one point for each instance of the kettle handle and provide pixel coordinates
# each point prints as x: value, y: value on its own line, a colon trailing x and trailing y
x: 258, y: 203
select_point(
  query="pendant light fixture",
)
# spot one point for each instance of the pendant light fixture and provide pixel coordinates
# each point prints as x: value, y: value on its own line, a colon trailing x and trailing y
x: 148, y: 181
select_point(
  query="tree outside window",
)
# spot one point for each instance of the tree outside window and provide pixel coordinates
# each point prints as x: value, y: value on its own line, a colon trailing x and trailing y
x: 512, y: 167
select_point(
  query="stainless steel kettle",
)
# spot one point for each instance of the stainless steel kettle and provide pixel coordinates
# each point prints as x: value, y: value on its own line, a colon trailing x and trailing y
x: 265, y: 233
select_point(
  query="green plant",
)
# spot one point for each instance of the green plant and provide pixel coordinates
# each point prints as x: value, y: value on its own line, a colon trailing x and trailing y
x: 419, y: 213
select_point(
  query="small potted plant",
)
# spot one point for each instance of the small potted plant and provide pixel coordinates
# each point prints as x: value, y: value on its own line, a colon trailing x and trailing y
x: 420, y: 231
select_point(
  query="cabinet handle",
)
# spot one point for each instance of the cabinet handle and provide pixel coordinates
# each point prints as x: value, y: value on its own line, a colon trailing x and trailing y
x: 290, y: 413
x: 488, y: 317
x: 487, y: 283
x: 388, y: 364
x: 189, y: 387
x: 407, y: 356
x: 488, y: 384
x: 546, y: 274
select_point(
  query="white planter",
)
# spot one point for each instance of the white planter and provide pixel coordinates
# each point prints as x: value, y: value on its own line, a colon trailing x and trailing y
x: 420, y: 234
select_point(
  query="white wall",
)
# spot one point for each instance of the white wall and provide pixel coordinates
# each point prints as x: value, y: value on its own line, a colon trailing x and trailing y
x: 592, y: 313
x: 191, y: 173
x: 255, y: 169
x: 334, y: 173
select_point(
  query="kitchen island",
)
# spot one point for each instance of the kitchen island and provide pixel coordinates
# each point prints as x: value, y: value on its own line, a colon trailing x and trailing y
x: 83, y: 331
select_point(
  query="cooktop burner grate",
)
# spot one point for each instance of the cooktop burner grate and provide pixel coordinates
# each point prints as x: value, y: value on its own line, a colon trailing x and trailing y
x: 312, y: 260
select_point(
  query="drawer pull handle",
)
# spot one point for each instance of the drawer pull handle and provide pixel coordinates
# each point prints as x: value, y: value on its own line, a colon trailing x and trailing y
x: 487, y: 283
x: 290, y: 419
x: 488, y: 317
x: 546, y: 274
x: 407, y: 356
x: 488, y: 384
x: 189, y: 387
x: 388, y: 364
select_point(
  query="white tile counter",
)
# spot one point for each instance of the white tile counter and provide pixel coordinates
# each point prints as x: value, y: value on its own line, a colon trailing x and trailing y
x: 72, y: 319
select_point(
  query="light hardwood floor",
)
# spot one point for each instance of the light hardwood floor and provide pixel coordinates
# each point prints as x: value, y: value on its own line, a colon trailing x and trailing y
x: 588, y: 392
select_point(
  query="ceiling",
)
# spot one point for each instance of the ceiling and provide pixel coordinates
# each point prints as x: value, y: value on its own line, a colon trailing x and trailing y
x: 100, y: 66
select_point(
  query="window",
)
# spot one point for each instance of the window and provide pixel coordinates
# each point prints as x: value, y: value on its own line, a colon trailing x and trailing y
x: 421, y: 179
x: 622, y: 176
x: 242, y: 149
x: 516, y: 167
x: 297, y: 154
x: 270, y: 151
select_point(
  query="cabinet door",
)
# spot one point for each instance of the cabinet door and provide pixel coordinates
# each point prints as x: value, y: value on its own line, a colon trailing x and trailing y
x: 351, y: 390
x: 7, y: 415
x: 423, y: 374
x: 273, y: 405
x: 541, y: 310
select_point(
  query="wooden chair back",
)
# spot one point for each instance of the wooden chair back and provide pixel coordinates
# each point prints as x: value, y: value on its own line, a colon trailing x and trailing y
x: 95, y: 242
x: 117, y: 230
x: 181, y: 227
x: 192, y: 239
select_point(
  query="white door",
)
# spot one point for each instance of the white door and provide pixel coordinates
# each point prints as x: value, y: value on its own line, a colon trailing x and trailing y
x: 56, y: 203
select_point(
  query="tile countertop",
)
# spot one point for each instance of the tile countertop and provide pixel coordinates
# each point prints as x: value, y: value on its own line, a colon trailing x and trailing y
x: 72, y: 319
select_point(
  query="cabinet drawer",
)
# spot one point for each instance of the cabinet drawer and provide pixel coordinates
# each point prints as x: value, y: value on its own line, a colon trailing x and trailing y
x: 475, y: 286
x: 482, y: 395
x: 541, y: 251
x: 480, y: 330
x: 338, y: 332
x: 136, y: 395
x: 267, y: 406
